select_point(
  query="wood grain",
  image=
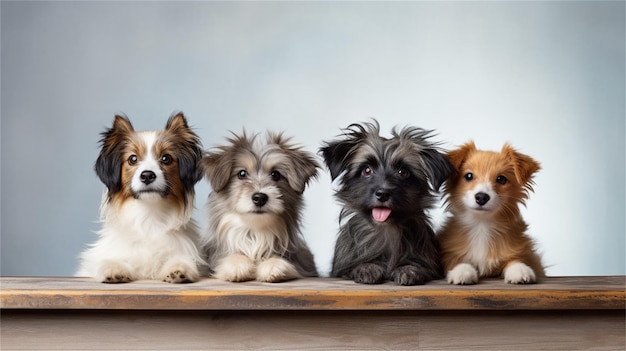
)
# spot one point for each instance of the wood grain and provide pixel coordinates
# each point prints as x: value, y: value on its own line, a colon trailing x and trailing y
x: 554, y: 293
x: 312, y: 330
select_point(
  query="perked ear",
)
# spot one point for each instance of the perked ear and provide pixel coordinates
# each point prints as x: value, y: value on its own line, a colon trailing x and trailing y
x: 108, y: 166
x: 458, y: 156
x: 438, y: 168
x: 524, y: 166
x: 190, y: 149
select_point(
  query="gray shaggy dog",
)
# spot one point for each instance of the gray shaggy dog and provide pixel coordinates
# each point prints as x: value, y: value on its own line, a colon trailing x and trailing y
x: 255, y: 209
x: 386, y: 186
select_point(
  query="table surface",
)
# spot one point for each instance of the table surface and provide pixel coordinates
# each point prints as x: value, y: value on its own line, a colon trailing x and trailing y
x: 71, y: 293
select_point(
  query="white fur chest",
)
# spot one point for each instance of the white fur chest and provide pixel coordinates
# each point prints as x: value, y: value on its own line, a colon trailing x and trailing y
x: 257, y: 242
x: 479, y: 243
x: 146, y: 218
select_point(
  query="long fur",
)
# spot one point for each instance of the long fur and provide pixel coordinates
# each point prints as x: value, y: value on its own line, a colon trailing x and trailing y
x: 255, y: 209
x: 386, y: 186
x: 486, y: 234
x: 147, y: 232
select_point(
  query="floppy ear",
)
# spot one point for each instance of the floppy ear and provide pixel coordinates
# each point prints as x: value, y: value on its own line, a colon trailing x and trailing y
x: 336, y: 156
x: 218, y: 167
x: 437, y: 167
x: 190, y: 150
x: 524, y: 166
x: 458, y: 156
x: 108, y: 166
x: 304, y: 167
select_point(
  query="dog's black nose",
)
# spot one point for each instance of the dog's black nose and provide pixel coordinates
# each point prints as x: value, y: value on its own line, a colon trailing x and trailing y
x: 259, y: 199
x: 382, y: 195
x: 147, y: 177
x: 481, y: 198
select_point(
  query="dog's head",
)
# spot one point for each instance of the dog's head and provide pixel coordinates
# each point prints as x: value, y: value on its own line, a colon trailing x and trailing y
x: 386, y: 179
x: 260, y: 176
x: 148, y: 164
x: 488, y: 181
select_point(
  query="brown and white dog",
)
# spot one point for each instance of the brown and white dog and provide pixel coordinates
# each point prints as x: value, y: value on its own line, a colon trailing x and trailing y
x: 148, y: 232
x: 486, y: 234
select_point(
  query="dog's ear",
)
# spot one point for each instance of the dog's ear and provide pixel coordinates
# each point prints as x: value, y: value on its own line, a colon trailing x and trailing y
x: 190, y: 149
x: 338, y: 154
x: 218, y: 167
x: 335, y: 156
x: 524, y: 166
x: 437, y: 167
x: 108, y: 166
x: 304, y: 167
x: 458, y: 156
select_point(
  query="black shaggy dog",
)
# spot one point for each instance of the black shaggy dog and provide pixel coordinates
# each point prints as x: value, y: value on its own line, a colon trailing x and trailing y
x: 386, y: 186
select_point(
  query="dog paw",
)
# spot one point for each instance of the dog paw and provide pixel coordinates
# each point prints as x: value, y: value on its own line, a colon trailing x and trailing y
x: 368, y: 273
x: 519, y: 273
x: 463, y: 274
x: 177, y: 277
x: 179, y: 270
x: 407, y: 275
x: 114, y: 274
x: 274, y: 270
x: 236, y: 268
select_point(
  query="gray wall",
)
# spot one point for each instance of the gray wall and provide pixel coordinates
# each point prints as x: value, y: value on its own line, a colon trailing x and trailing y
x: 546, y: 76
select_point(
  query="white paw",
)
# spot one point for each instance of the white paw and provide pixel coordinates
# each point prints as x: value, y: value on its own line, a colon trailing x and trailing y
x: 463, y: 273
x: 235, y: 268
x: 274, y: 270
x: 114, y: 272
x: 519, y: 273
x: 180, y: 272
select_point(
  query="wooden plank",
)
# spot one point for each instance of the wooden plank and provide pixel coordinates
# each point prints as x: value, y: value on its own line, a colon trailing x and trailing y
x: 317, y: 330
x: 554, y: 293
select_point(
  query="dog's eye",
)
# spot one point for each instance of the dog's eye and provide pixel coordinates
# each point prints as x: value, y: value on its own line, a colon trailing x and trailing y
x: 242, y: 174
x: 132, y: 159
x: 501, y: 179
x: 403, y: 172
x: 469, y: 177
x: 276, y: 176
x: 166, y: 159
x: 367, y: 171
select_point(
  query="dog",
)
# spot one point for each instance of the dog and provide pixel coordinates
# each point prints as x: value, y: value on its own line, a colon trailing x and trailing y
x: 385, y: 187
x: 255, y: 208
x: 486, y: 235
x: 148, y: 232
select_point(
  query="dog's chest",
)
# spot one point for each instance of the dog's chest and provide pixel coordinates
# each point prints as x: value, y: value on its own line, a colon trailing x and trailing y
x: 479, y: 248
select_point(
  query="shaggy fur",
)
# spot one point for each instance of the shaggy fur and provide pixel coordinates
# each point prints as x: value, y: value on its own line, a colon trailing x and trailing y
x: 255, y: 209
x: 146, y: 211
x: 386, y: 186
x: 486, y: 235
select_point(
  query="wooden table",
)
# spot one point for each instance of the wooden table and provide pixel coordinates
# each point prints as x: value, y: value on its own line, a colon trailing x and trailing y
x: 569, y: 313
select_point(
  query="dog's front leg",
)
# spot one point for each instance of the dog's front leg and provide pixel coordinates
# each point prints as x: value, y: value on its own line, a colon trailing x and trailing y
x: 368, y: 273
x: 180, y: 270
x: 276, y: 269
x: 409, y: 275
x: 235, y: 268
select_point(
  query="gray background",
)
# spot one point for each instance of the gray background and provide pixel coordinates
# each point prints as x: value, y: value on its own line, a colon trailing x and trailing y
x: 546, y: 76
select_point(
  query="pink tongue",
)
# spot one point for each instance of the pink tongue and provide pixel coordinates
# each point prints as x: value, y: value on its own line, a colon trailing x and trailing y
x: 380, y: 214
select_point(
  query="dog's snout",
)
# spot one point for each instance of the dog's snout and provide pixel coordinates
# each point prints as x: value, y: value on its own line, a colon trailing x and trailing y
x: 481, y: 198
x: 147, y: 177
x: 382, y: 195
x: 259, y: 199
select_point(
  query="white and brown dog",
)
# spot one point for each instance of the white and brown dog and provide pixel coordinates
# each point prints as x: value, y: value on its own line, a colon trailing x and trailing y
x: 148, y: 232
